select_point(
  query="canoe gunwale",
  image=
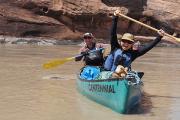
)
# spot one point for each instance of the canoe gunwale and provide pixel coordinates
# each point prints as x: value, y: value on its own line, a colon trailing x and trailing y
x: 103, y: 80
x: 140, y: 75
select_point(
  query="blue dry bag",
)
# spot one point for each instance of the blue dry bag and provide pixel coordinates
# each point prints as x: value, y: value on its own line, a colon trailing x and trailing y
x: 90, y: 72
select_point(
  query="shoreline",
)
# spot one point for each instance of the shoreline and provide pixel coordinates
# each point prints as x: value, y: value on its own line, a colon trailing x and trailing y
x: 36, y: 41
x: 50, y: 41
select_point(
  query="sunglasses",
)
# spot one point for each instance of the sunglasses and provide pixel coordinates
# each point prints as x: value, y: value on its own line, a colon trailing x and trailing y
x: 87, y: 37
x: 127, y: 41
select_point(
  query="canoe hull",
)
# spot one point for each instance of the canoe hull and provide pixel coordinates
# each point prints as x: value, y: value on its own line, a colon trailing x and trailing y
x: 120, y: 95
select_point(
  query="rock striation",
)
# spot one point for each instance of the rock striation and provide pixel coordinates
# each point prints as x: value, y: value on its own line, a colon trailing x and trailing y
x: 69, y: 19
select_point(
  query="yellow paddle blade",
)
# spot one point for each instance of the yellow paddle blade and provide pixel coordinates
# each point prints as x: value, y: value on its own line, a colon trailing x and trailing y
x: 55, y: 63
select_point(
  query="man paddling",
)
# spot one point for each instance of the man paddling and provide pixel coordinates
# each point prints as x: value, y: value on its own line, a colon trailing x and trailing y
x: 91, y: 58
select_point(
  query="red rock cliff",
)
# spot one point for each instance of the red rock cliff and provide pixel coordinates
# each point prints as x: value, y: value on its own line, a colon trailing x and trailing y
x: 69, y: 19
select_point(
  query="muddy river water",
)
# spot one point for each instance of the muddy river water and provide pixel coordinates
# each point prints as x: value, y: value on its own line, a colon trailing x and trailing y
x: 28, y: 92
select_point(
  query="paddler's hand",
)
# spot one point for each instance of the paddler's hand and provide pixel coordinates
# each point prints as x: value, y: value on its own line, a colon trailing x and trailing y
x: 161, y: 32
x: 78, y: 58
x: 117, y: 12
x: 84, y: 53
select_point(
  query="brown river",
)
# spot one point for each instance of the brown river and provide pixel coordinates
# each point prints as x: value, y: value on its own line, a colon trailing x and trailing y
x: 29, y: 92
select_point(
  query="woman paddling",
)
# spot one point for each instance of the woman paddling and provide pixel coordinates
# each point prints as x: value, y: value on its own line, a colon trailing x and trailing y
x: 122, y: 52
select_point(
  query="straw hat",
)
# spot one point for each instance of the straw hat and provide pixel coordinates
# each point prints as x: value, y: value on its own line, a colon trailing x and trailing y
x: 128, y: 36
x: 121, y: 71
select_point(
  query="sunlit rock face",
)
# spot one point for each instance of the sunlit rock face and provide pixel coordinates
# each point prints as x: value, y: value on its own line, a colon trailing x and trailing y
x: 69, y: 19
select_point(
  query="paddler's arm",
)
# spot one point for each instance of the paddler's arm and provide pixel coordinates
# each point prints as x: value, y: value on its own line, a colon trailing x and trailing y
x: 83, y: 51
x: 148, y: 47
x: 79, y: 57
x: 113, y: 39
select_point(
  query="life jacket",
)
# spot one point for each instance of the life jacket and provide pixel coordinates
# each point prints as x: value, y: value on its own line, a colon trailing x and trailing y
x: 94, y: 58
x: 117, y: 57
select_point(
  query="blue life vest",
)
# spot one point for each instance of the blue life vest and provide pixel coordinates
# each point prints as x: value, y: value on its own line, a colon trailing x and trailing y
x: 117, y: 58
x: 90, y: 72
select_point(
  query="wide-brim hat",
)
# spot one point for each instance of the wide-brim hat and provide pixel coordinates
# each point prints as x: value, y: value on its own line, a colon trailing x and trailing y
x: 128, y: 36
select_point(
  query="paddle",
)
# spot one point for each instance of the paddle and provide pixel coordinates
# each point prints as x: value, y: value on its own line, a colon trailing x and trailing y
x: 177, y: 39
x: 57, y: 62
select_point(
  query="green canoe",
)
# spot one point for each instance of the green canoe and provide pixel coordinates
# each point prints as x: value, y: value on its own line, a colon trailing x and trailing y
x: 121, y: 95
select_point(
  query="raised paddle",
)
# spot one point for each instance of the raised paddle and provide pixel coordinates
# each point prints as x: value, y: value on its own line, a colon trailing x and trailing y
x: 57, y: 62
x: 177, y: 39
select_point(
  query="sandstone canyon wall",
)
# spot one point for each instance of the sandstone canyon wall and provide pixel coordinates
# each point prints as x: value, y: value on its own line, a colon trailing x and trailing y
x: 69, y: 19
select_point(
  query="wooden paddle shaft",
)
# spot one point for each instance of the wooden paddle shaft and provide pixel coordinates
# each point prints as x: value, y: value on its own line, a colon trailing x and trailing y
x: 146, y: 26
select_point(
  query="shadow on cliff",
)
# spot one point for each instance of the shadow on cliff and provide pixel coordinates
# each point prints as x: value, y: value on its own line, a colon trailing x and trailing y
x: 132, y: 5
